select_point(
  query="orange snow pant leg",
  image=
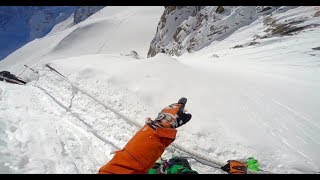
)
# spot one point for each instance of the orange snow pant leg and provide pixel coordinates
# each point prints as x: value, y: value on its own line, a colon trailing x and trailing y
x: 141, y: 152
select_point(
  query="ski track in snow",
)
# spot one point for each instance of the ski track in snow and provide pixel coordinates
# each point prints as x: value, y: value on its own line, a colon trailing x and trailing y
x: 282, y: 122
x: 81, y: 150
x: 70, y: 149
x: 119, y: 100
x: 81, y: 131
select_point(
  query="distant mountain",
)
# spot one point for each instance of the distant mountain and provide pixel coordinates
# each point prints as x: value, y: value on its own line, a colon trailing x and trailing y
x: 22, y: 24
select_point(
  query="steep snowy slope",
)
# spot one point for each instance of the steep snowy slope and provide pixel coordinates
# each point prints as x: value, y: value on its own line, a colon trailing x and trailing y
x: 117, y: 30
x: 251, y: 100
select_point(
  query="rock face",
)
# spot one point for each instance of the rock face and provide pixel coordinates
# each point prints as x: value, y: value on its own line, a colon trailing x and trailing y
x: 169, y: 24
x: 190, y: 28
x: 84, y: 12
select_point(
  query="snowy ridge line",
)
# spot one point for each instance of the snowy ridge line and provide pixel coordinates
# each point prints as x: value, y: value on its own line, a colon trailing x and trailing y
x: 197, y: 156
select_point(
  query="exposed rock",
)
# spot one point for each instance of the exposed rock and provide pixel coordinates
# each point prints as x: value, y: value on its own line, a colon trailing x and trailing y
x: 286, y: 28
x: 265, y: 8
x: 168, y: 9
x: 133, y: 54
x: 184, y: 29
x: 173, y: 15
x: 238, y: 46
x: 152, y: 51
x: 219, y: 9
x: 84, y: 12
x: 253, y: 43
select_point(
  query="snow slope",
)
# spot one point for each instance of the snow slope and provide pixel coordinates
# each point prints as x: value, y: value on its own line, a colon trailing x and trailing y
x: 111, y: 30
x: 256, y: 101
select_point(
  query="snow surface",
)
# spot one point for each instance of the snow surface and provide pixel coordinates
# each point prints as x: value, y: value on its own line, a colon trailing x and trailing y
x: 259, y: 101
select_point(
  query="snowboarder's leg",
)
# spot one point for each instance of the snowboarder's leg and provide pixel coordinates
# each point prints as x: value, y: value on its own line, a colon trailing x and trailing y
x: 148, y: 144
